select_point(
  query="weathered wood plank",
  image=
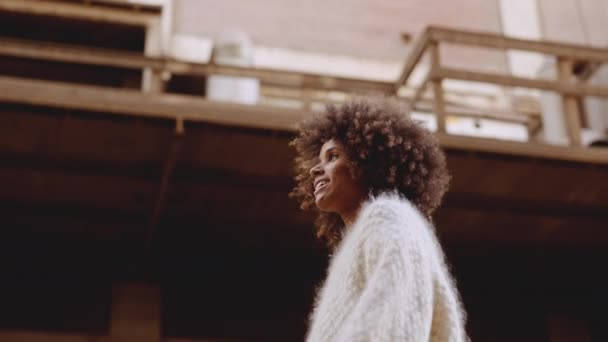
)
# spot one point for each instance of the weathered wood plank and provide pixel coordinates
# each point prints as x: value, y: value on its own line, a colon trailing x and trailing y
x: 77, y: 11
x: 511, y: 81
x: 496, y: 41
x: 121, y: 59
x: 188, y: 108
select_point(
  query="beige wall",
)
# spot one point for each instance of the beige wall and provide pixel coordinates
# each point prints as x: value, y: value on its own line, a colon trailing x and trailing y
x: 575, y: 21
x: 357, y: 28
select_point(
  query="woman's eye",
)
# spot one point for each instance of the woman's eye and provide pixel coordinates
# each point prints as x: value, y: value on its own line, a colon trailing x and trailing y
x: 333, y: 157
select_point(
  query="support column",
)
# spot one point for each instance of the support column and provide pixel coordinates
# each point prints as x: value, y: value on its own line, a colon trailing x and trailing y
x: 152, y: 78
x: 159, y: 204
x: 136, y: 313
x: 439, y: 103
x: 570, y: 103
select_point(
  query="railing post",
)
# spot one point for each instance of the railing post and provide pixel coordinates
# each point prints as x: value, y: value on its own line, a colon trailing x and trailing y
x: 152, y: 81
x: 420, y: 90
x: 570, y: 103
x: 414, y: 57
x: 436, y: 80
x: 307, y: 97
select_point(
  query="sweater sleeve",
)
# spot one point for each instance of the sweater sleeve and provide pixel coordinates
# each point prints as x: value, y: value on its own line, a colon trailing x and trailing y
x: 396, y: 300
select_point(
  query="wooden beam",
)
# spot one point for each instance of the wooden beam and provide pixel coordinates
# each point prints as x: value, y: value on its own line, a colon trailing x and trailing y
x: 414, y: 56
x: 436, y: 83
x: 79, y: 11
x: 81, y: 55
x: 420, y: 90
x: 511, y: 81
x: 497, y: 41
x: 283, y: 78
x: 165, y: 106
x: 152, y: 78
x: 159, y: 204
x: 138, y: 5
x: 105, y: 57
x: 135, y: 103
x: 528, y: 149
x: 570, y: 107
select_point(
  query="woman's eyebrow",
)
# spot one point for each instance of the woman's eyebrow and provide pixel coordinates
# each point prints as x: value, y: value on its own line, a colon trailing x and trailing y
x: 329, y: 150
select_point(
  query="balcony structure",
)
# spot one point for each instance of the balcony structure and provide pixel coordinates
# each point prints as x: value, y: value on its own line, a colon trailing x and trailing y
x: 110, y: 176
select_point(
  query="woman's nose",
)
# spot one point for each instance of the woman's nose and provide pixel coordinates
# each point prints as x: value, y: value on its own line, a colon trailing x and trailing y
x: 316, y: 170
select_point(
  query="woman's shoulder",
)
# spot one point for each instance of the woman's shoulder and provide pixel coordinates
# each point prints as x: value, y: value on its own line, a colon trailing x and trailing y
x: 390, y: 206
x: 390, y: 212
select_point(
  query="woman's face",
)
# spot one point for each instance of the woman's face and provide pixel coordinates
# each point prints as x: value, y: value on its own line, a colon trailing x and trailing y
x: 335, y: 190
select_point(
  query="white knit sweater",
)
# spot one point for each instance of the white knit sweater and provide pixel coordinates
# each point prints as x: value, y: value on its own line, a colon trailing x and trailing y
x: 388, y: 281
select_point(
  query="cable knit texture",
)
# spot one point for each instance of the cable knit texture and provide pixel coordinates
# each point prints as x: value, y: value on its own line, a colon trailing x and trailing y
x: 388, y: 281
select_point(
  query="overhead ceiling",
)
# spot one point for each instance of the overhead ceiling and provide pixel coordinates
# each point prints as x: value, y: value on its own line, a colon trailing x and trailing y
x: 372, y: 29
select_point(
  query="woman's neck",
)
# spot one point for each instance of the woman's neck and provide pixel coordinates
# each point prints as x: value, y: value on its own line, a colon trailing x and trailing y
x: 349, y: 216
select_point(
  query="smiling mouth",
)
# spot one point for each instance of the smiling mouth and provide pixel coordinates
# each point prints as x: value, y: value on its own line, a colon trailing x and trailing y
x: 320, y: 185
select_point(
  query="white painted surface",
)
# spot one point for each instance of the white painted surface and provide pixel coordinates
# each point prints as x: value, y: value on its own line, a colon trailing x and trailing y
x: 561, y: 21
x: 473, y: 127
x: 597, y: 108
x: 553, y: 129
x: 233, y: 48
x: 323, y: 63
x: 520, y: 19
x: 190, y: 48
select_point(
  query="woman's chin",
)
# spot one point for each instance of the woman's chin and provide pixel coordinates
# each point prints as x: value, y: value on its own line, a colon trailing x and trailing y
x: 321, y: 203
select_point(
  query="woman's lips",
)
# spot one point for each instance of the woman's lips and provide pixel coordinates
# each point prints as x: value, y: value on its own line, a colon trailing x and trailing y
x: 320, y: 186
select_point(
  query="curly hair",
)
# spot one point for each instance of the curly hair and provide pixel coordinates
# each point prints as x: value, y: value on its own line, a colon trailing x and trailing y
x: 387, y: 150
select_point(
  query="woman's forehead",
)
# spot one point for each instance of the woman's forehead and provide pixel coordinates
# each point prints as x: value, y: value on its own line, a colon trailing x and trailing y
x: 329, y: 144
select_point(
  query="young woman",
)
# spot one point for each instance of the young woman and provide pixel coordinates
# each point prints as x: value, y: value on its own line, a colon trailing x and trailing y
x: 375, y: 176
